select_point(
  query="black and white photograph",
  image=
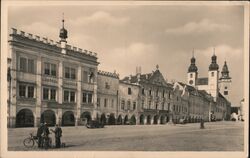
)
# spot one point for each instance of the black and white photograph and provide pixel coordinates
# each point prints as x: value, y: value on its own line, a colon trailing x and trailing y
x: 128, y: 78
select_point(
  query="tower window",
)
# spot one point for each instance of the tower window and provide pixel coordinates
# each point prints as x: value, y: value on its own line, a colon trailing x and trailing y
x: 226, y: 87
x: 225, y: 92
x: 212, y: 74
x: 191, y: 75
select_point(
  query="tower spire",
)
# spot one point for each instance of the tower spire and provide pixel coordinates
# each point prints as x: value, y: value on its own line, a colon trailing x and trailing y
x: 63, y: 32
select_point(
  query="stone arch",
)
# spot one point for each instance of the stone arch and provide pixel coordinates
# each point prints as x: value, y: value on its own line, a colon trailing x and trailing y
x: 156, y: 119
x: 68, y: 119
x: 25, y: 118
x: 149, y: 119
x: 119, y: 120
x: 126, y: 122
x: 111, y: 119
x: 163, y: 119
x: 167, y: 118
x: 133, y: 120
x: 142, y: 117
x: 103, y: 119
x: 86, y: 117
x: 49, y: 117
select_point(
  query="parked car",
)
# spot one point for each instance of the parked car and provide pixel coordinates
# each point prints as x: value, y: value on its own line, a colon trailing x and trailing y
x: 94, y: 124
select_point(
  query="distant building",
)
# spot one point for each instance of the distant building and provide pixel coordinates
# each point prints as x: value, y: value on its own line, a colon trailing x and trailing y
x: 107, y: 97
x: 218, y: 88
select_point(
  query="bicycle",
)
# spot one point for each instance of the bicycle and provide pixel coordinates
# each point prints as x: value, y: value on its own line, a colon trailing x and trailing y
x: 32, y: 140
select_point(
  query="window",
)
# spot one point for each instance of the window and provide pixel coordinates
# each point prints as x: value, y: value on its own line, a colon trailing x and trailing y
x: 69, y: 96
x: 163, y: 94
x: 177, y: 98
x: 128, y: 105
x: 191, y: 75
x: 72, y: 97
x: 142, y: 104
x: 150, y: 92
x: 23, y: 63
x: 69, y: 73
x: 225, y: 87
x: 107, y: 86
x: 27, y: 65
x: 31, y: 66
x: 142, y: 91
x: 162, y: 106
x: 85, y: 77
x: 134, y: 105
x: 212, y: 74
x: 50, y: 69
x: 105, y: 102
x: 225, y: 92
x: 169, y: 96
x: 45, y: 94
x: 129, y: 91
x: 98, y: 102
x: 156, y: 106
x: 112, y: 103
x: 26, y: 91
x: 174, y: 108
x: 49, y: 93
x: 157, y: 92
x: 122, y: 104
x: 22, y: 90
x: 52, y: 94
x: 87, y: 97
x: 168, y: 106
x: 149, y: 104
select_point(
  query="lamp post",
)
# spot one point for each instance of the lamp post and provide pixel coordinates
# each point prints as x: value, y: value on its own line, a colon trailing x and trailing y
x: 9, y: 90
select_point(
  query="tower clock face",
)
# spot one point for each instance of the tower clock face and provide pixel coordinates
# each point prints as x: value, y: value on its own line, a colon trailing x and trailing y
x: 191, y: 81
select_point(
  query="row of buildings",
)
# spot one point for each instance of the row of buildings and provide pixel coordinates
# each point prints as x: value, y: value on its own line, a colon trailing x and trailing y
x: 54, y: 82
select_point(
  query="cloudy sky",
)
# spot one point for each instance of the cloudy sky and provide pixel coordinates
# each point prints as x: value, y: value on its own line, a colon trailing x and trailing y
x: 126, y: 36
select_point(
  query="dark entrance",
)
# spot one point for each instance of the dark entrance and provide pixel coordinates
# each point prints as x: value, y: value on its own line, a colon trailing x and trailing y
x: 68, y: 119
x: 163, y: 119
x: 148, y: 119
x: 156, y: 119
x: 142, y: 119
x: 49, y: 117
x: 25, y: 118
x: 126, y: 120
x: 103, y: 119
x: 133, y: 120
x: 111, y: 120
x: 119, y: 120
x: 85, y: 117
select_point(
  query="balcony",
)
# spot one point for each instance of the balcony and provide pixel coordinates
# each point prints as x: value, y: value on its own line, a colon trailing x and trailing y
x: 88, y: 86
x: 87, y: 105
x: 69, y: 83
x: 49, y: 80
x: 68, y: 105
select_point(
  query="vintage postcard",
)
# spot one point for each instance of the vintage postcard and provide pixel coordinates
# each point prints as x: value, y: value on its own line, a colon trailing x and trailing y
x: 124, y: 79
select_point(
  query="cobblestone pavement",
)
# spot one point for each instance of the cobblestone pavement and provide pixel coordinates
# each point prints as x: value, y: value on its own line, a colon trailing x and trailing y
x: 217, y: 136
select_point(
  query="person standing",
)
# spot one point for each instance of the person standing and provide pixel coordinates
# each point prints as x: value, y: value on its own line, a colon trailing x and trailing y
x: 58, y: 135
x: 39, y: 135
x: 46, y: 135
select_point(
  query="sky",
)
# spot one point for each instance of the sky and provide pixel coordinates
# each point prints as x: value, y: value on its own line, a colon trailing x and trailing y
x: 126, y: 36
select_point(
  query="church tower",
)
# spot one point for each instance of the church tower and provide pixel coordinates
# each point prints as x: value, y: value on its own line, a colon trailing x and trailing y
x: 225, y: 81
x: 192, y: 72
x: 213, y: 77
x: 63, y: 36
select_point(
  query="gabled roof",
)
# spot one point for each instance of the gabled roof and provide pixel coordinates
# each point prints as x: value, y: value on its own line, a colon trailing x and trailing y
x: 202, y: 81
x: 154, y: 78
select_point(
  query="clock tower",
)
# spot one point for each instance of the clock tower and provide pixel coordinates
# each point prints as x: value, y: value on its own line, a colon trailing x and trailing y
x: 225, y: 81
x: 192, y: 73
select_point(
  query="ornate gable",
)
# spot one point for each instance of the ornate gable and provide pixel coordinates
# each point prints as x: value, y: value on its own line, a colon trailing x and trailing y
x: 157, y: 78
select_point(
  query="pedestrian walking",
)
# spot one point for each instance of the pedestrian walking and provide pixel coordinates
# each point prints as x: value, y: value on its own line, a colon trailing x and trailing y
x: 58, y: 135
x: 202, y: 124
x: 39, y: 135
